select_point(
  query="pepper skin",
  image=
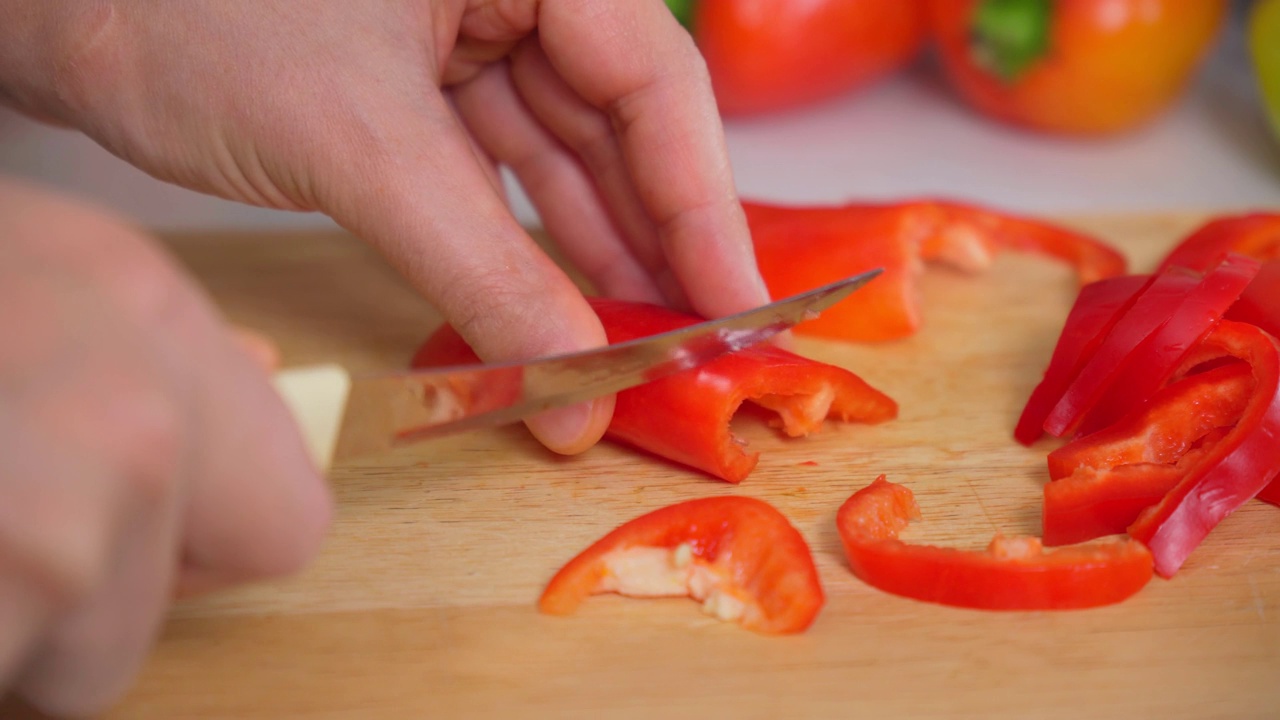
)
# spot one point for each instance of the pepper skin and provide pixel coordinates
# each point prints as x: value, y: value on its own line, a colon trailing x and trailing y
x: 685, y: 417
x: 1011, y: 574
x: 738, y: 556
x: 1078, y: 67
x: 799, y: 248
x: 771, y: 55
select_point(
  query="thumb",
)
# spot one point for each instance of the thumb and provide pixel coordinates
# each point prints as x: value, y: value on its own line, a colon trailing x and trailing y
x: 421, y: 196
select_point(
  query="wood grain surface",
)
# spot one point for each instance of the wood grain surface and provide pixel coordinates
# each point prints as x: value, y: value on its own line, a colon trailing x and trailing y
x: 422, y: 602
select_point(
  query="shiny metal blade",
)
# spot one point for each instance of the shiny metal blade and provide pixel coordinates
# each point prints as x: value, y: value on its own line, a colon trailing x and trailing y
x: 388, y: 410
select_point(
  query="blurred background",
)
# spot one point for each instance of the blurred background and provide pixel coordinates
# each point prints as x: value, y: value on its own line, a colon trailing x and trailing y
x: 903, y: 129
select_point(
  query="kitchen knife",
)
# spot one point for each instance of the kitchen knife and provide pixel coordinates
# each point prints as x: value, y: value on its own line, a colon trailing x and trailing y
x: 378, y: 412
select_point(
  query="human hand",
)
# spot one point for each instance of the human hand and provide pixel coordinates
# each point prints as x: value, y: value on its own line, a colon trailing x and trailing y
x: 142, y: 449
x: 390, y: 116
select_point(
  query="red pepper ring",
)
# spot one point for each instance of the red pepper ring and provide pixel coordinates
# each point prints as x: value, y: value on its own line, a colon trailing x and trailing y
x: 738, y: 556
x: 1011, y: 574
x: 1235, y: 469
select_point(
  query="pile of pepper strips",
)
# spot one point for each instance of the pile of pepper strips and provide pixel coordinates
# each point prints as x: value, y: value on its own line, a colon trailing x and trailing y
x: 1166, y: 386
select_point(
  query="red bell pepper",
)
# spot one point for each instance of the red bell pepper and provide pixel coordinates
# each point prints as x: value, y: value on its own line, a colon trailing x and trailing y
x: 1100, y: 483
x: 1254, y: 234
x: 770, y: 55
x: 1096, y: 310
x: 685, y: 417
x: 801, y: 247
x: 1236, y: 468
x: 1011, y: 574
x: 738, y: 556
x: 1147, y: 342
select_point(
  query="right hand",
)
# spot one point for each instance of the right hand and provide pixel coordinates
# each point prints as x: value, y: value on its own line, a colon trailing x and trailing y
x: 142, y: 448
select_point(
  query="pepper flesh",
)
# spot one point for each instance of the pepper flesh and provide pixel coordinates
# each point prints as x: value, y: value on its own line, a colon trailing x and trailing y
x: 1147, y: 343
x: 1235, y: 469
x: 799, y: 248
x: 738, y: 556
x: 685, y: 417
x: 1093, y: 67
x: 771, y: 55
x: 1011, y: 574
x: 1100, y: 483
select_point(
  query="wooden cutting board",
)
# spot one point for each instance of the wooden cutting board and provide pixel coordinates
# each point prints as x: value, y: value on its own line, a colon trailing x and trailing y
x: 422, y: 602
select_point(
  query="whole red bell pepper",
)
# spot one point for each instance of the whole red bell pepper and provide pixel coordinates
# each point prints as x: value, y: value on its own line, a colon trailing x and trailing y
x: 801, y: 247
x: 738, y: 556
x: 685, y: 417
x: 770, y: 55
x: 1011, y: 574
x: 1087, y: 67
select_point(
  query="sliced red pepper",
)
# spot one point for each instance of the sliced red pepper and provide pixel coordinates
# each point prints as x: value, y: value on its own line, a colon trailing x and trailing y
x: 738, y: 556
x: 1100, y: 483
x: 1256, y: 235
x: 1235, y: 469
x: 685, y: 417
x: 1144, y: 347
x: 1096, y: 310
x: 801, y: 247
x: 1012, y: 574
x: 1260, y: 303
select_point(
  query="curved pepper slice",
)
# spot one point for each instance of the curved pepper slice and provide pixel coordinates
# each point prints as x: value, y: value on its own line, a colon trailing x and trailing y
x: 1012, y: 574
x: 738, y: 556
x: 1235, y: 469
x: 1147, y: 342
x: 685, y: 417
x: 1100, y: 483
x: 801, y: 247
x: 1256, y: 235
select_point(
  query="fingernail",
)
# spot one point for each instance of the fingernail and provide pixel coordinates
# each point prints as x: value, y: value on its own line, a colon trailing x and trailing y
x: 573, y: 429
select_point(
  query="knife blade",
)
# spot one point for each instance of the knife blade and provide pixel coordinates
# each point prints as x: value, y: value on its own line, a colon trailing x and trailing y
x: 379, y: 412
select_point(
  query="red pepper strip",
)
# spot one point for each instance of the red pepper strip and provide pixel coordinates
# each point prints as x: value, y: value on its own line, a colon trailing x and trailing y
x: 1102, y: 482
x: 1260, y: 303
x: 738, y: 556
x: 1147, y: 342
x: 685, y: 417
x: 799, y: 248
x: 1254, y: 234
x: 1012, y: 574
x: 1096, y: 310
x: 1235, y: 469
x: 959, y: 227
x: 1150, y: 365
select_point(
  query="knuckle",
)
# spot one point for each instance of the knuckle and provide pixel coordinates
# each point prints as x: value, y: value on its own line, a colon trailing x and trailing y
x: 491, y: 307
x: 83, y: 53
x: 149, y: 441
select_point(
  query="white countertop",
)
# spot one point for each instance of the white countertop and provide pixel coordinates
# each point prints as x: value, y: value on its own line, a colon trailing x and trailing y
x: 906, y: 137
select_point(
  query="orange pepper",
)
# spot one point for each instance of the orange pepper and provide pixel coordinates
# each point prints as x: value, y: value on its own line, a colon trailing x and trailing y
x: 1074, y: 66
